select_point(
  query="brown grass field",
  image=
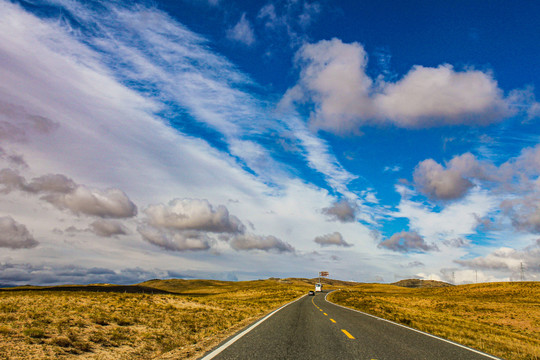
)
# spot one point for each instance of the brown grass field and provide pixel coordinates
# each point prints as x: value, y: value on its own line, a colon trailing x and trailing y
x: 502, y: 319
x: 197, y: 315
x: 182, y: 319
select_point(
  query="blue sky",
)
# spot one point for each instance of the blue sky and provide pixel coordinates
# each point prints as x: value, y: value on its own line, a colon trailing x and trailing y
x: 240, y: 140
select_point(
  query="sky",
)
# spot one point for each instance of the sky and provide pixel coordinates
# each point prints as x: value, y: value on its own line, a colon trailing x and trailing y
x: 240, y: 140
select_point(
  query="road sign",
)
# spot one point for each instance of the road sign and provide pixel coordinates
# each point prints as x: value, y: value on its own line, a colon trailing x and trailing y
x: 323, y: 273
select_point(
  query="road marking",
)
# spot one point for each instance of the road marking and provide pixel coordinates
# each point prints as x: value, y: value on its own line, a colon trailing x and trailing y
x: 237, y: 337
x: 325, y: 314
x: 347, y: 333
x: 332, y: 320
x: 418, y: 331
x: 320, y: 309
x: 314, y: 303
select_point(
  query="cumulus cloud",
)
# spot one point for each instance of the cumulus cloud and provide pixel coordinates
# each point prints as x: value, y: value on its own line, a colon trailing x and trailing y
x: 438, y: 183
x: 64, y: 193
x: 242, y: 31
x: 188, y: 224
x: 193, y: 214
x: 192, y: 224
x: 51, y: 183
x: 407, y: 241
x: 14, y: 235
x: 333, y: 79
x: 111, y: 203
x: 108, y: 228
x: 264, y: 243
x: 341, y: 210
x: 524, y: 212
x: 333, y: 239
x: 442, y: 96
x: 175, y: 240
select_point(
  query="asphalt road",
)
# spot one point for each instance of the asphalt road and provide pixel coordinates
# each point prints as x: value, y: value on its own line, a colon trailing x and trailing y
x: 312, y: 328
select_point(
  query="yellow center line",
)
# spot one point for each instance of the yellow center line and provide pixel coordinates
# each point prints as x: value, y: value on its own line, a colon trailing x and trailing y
x: 325, y: 314
x: 332, y: 320
x: 347, y: 333
x: 320, y: 309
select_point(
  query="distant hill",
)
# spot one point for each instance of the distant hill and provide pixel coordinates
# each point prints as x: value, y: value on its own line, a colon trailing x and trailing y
x: 194, y: 287
x: 328, y: 284
x: 417, y: 283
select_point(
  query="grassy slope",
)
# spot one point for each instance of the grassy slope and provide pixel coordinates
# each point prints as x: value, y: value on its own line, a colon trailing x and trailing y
x: 502, y: 319
x: 103, y: 325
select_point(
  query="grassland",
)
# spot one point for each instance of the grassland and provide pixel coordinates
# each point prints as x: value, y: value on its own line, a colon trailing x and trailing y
x: 195, y: 316
x: 182, y: 319
x: 502, y: 319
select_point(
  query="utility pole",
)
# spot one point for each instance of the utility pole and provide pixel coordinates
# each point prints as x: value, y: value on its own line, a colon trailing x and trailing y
x: 521, y: 268
x: 453, y: 278
x: 476, y: 274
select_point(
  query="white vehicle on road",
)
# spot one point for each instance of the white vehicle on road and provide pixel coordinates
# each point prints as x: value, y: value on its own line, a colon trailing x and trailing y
x: 318, y: 287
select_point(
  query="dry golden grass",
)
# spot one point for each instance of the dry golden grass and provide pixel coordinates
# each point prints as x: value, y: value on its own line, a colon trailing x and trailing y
x: 98, y: 325
x: 502, y: 319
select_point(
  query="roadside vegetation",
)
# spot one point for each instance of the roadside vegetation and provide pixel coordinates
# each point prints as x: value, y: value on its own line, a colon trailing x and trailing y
x: 194, y: 317
x: 502, y: 319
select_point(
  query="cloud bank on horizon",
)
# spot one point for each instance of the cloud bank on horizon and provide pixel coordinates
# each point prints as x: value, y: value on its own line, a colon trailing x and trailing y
x: 133, y: 147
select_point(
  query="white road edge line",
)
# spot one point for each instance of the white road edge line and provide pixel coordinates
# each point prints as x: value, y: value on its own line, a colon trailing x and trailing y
x: 418, y: 331
x: 237, y: 337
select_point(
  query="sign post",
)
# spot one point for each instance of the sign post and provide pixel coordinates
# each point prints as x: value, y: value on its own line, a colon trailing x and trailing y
x: 318, y: 287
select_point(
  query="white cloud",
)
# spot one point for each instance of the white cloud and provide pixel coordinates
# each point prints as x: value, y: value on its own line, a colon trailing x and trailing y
x: 394, y: 168
x: 509, y: 261
x: 436, y: 182
x: 17, y: 124
x: 108, y: 228
x: 64, y: 193
x: 264, y: 243
x: 188, y: 224
x: 175, y: 240
x: 442, y: 96
x: 334, y: 238
x: 193, y: 214
x: 242, y: 31
x: 524, y: 212
x: 342, y: 211
x: 407, y: 241
x: 288, y: 19
x: 111, y: 203
x: 108, y: 136
x: 333, y: 79
x: 15, y: 235
x: 455, y: 220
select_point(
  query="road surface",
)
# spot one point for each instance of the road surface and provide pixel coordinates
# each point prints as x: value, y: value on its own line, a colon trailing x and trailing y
x: 312, y: 328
